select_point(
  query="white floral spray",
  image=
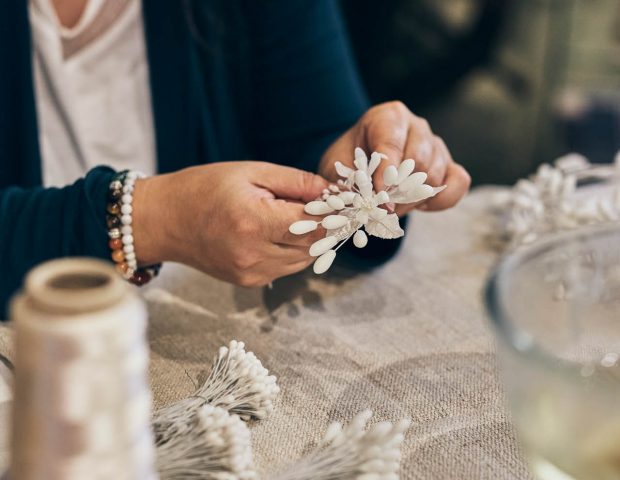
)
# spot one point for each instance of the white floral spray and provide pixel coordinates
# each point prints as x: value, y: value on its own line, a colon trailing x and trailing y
x: 353, y: 208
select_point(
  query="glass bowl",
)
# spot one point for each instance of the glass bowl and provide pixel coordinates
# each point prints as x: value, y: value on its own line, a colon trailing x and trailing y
x: 555, y: 311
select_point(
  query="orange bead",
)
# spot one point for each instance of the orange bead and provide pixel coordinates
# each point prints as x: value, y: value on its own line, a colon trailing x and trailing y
x: 122, y: 268
x: 115, y: 244
x: 118, y: 256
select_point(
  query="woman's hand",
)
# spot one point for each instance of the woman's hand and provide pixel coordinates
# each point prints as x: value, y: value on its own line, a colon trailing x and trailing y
x: 227, y: 219
x: 392, y: 129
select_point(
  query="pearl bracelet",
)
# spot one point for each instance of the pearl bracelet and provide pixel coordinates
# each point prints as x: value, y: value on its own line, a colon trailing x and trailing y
x: 120, y: 229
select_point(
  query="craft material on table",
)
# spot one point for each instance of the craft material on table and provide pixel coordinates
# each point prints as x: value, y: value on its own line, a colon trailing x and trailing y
x: 81, y: 393
x: 342, y: 343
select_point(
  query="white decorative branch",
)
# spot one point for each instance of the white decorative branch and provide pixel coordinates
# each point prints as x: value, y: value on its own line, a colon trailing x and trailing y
x: 353, y: 208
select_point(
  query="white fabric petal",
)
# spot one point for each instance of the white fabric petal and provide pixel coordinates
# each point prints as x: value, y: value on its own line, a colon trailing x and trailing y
x: 419, y: 193
x: 386, y: 228
x: 412, y: 181
x: 405, y: 169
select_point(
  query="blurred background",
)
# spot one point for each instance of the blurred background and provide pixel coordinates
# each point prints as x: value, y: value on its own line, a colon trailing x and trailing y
x: 509, y: 84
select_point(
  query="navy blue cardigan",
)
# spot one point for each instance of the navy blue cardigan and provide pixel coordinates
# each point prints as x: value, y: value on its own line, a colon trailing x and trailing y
x: 269, y: 80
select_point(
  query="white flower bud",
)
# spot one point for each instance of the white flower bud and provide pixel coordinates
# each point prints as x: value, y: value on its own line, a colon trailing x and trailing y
x: 404, y: 170
x: 347, y: 197
x: 357, y: 200
x: 335, y: 202
x: 332, y: 222
x: 303, y: 226
x: 390, y: 176
x: 323, y: 263
x: 323, y: 245
x: 382, y: 197
x: 318, y: 208
x: 360, y: 239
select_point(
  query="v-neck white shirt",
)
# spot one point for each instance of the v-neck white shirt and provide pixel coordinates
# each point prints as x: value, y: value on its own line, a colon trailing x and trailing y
x: 94, y: 104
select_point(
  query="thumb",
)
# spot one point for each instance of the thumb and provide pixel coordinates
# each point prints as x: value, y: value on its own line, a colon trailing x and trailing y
x: 290, y: 183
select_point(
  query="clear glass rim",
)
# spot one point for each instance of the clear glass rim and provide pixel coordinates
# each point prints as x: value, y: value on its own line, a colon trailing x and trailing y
x: 506, y: 329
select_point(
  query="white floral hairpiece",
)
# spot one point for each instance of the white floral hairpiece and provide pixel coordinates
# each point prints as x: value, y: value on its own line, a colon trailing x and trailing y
x: 359, y: 206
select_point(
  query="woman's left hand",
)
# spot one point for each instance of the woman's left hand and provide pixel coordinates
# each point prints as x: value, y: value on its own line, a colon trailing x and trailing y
x: 392, y: 129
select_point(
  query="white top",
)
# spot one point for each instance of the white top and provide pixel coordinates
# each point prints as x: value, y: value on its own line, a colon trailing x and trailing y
x: 92, y: 90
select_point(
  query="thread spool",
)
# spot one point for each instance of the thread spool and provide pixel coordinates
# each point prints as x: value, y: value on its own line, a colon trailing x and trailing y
x: 82, y: 404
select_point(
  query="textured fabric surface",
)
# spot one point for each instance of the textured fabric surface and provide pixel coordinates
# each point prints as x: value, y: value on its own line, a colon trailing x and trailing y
x: 407, y: 340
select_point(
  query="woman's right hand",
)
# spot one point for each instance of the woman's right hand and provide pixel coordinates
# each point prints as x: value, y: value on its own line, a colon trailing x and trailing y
x: 227, y: 219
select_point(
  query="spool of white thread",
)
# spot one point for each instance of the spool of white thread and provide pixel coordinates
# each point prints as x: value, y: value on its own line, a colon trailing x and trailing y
x: 82, y: 404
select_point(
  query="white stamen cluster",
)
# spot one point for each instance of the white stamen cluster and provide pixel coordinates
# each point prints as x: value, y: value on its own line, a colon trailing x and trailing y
x: 238, y: 383
x: 548, y: 202
x: 353, y: 453
x: 212, y: 445
x: 352, y: 204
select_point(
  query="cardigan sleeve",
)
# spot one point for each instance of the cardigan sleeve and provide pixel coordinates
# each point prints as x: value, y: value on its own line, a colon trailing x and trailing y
x: 306, y: 89
x: 38, y: 224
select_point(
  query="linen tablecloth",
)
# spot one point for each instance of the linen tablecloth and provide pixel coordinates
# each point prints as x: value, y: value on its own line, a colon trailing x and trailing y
x: 409, y: 339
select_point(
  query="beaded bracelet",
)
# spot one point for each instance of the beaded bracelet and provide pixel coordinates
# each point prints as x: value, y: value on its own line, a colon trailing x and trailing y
x: 119, y: 220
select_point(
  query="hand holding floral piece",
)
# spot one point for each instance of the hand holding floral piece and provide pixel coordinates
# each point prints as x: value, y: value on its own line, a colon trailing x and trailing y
x: 353, y: 208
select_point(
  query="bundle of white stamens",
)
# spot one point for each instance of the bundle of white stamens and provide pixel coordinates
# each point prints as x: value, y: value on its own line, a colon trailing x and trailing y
x: 212, y: 445
x: 238, y: 383
x: 358, y: 205
x: 353, y: 453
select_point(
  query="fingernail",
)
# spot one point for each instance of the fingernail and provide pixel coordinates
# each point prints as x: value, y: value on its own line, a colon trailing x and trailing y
x: 391, y: 207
